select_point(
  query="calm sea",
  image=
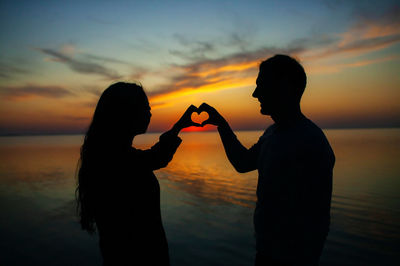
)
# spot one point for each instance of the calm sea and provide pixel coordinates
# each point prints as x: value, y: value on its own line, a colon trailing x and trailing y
x: 207, y: 207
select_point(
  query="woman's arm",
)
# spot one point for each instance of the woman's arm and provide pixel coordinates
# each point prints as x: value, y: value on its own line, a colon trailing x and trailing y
x: 162, y: 152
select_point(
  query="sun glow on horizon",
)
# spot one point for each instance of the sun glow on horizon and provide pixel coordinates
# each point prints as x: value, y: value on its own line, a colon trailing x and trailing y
x: 51, y: 79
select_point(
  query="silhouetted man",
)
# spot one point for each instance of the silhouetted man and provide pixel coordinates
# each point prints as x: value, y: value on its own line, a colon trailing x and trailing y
x: 295, y: 164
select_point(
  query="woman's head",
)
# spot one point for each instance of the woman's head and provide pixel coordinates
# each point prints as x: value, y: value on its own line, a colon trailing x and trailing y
x: 123, y: 110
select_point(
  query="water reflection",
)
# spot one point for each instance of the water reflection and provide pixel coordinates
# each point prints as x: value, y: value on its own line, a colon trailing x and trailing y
x: 200, y: 168
x: 205, y: 172
x: 365, y: 217
x: 207, y: 206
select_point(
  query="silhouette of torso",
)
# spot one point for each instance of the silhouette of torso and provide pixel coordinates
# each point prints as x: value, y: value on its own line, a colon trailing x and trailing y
x: 127, y: 205
x: 292, y: 215
x: 295, y: 163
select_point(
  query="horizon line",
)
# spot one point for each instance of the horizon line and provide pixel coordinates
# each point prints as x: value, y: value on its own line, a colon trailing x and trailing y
x: 185, y: 132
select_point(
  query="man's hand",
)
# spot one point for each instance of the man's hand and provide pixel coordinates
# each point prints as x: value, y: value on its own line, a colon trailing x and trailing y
x: 214, y: 117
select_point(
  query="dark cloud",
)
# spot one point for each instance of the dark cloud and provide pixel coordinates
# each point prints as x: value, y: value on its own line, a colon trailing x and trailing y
x: 313, y: 42
x: 30, y: 90
x: 257, y: 55
x: 9, y: 70
x: 81, y: 66
x: 93, y: 90
x: 106, y: 59
x: 138, y: 73
x: 240, y: 40
x: 192, y: 49
x: 385, y: 12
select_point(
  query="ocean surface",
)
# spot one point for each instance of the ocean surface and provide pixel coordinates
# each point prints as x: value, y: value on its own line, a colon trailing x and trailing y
x: 207, y: 207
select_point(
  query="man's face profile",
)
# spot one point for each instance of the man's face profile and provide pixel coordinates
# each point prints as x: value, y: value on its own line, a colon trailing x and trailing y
x: 266, y: 92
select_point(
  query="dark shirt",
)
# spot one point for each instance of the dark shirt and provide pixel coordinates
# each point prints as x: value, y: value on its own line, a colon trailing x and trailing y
x: 295, y: 166
x: 127, y: 206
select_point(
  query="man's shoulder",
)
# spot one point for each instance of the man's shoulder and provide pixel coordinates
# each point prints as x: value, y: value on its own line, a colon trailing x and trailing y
x: 308, y: 129
x: 268, y: 132
x: 309, y: 135
x: 313, y: 139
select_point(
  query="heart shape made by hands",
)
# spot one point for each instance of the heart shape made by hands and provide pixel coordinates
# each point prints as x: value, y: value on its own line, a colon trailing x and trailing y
x: 199, y: 118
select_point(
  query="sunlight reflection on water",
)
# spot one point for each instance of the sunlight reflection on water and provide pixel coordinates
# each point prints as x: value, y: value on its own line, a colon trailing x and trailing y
x: 207, y: 207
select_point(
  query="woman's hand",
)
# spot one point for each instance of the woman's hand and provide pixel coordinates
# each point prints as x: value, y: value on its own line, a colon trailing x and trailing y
x: 185, y: 121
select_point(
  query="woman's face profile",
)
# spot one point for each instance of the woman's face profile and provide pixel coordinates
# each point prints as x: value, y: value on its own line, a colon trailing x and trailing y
x: 143, y: 116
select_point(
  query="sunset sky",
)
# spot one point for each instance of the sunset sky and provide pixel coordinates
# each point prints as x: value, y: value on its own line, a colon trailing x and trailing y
x: 56, y: 57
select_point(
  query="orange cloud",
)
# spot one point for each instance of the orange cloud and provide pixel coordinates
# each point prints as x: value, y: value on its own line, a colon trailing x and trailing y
x: 207, y: 77
x: 229, y: 83
x: 238, y: 67
x: 367, y: 34
x: 158, y: 105
x: 236, y: 70
x: 316, y: 68
x: 375, y: 26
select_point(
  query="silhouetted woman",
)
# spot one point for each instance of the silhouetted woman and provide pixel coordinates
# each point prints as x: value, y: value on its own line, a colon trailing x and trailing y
x: 117, y: 192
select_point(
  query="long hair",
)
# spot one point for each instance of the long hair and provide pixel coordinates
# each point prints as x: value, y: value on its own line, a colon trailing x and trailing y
x: 112, y: 121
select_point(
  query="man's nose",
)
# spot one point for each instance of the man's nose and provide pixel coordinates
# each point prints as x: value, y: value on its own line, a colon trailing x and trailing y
x: 255, y: 93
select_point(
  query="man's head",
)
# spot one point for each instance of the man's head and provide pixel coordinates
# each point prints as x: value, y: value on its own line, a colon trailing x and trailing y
x: 280, y: 84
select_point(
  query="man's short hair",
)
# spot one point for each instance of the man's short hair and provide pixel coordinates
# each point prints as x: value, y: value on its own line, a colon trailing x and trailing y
x: 284, y: 67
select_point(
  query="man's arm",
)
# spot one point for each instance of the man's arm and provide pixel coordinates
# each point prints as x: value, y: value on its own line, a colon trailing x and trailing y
x: 242, y: 159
